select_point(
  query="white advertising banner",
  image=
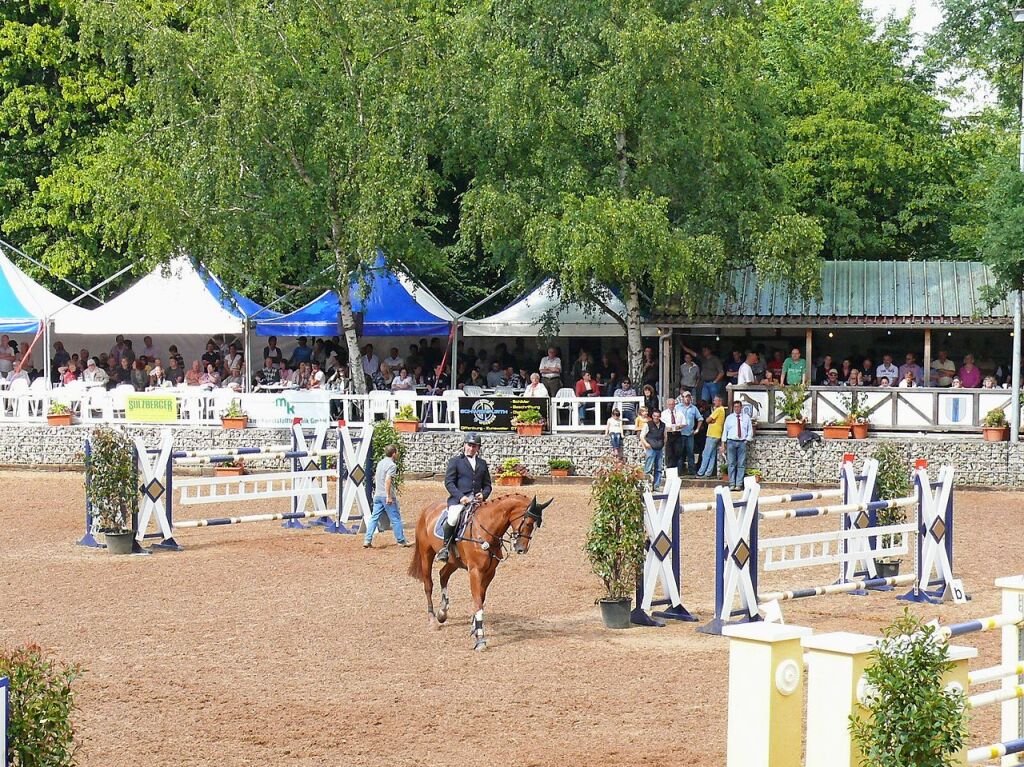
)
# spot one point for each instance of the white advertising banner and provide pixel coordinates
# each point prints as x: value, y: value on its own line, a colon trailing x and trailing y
x: 280, y: 411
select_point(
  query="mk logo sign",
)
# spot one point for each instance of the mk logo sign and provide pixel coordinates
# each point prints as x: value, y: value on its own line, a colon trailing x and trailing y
x: 282, y: 402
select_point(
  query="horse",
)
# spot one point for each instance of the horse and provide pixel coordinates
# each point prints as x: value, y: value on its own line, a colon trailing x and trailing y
x: 479, y: 550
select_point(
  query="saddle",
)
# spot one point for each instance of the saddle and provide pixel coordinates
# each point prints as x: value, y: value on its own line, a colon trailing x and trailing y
x: 465, y: 520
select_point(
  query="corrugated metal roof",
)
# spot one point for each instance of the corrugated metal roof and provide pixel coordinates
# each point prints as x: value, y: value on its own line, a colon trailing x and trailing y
x: 859, y: 293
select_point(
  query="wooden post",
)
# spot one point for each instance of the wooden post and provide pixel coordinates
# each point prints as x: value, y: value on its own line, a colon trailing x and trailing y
x: 665, y: 374
x: 1013, y: 652
x: 808, y: 353
x: 766, y: 695
x: 927, y: 364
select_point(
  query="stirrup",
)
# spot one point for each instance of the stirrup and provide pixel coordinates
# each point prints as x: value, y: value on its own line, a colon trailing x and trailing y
x: 442, y: 554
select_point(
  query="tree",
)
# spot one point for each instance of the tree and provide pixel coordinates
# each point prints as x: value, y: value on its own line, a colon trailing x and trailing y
x: 285, y: 140
x: 641, y: 160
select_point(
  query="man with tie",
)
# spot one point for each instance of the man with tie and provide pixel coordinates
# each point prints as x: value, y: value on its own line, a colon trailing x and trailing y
x: 737, y: 433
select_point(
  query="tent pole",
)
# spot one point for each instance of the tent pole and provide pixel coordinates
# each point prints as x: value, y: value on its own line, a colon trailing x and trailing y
x: 46, y: 352
x: 247, y: 360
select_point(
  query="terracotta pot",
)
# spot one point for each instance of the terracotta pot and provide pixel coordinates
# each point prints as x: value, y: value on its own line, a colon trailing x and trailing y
x: 59, y: 420
x: 228, y: 471
x: 530, y: 429
x: 234, y: 423
x: 407, y: 426
x: 836, y: 432
x: 794, y: 428
x: 511, y: 481
x: 995, y: 433
x: 559, y: 472
x: 860, y: 430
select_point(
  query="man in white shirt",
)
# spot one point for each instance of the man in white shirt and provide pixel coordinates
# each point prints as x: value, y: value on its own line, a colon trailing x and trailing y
x: 393, y: 360
x: 887, y: 369
x: 370, y: 362
x: 93, y: 374
x: 316, y: 376
x: 745, y: 375
x: 738, y: 433
x: 943, y: 369
x: 550, y: 370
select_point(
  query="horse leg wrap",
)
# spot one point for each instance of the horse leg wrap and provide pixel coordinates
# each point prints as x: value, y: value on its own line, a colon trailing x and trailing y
x: 478, y: 631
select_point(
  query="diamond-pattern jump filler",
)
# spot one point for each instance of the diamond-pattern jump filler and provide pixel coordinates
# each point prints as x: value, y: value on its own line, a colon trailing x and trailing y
x: 662, y: 546
x: 153, y: 489
x: 741, y: 554
x: 938, y: 530
x: 357, y: 475
x: 354, y: 502
x: 862, y: 521
x: 658, y: 563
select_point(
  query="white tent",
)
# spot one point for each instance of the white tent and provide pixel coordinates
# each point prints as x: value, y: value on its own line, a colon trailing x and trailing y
x: 525, y: 317
x: 37, y: 300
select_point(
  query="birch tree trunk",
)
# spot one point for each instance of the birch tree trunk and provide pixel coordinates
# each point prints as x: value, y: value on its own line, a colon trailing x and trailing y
x: 634, y: 342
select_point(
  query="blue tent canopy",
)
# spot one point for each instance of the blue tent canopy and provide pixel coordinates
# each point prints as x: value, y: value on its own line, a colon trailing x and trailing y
x: 14, y: 316
x: 393, y: 306
x: 232, y: 300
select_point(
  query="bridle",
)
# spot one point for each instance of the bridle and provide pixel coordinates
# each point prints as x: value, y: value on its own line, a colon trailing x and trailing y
x: 513, y: 533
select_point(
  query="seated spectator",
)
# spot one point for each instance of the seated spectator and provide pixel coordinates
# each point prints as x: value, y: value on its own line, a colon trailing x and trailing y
x: 586, y: 387
x: 140, y: 378
x: 911, y: 366
x: 21, y: 372
x: 194, y: 375
x: 884, y: 381
x: 867, y: 373
x: 387, y: 375
x: 832, y: 378
x: 156, y: 373
x: 955, y: 383
x: 175, y: 373
x: 844, y: 371
x: 69, y: 373
x: 474, y: 379
x: 403, y: 381
x: 821, y: 375
x: 316, y: 375
x: 211, y: 357
x: 628, y: 409
x: 854, y: 379
x: 393, y: 360
x: 233, y: 381
x: 535, y: 388
x: 300, y: 377
x: 970, y: 375
x: 887, y: 369
x: 943, y: 369
x: 909, y: 381
x: 269, y: 374
x: 442, y: 380
x: 232, y: 359
x: 989, y: 382
x: 643, y: 417
x: 420, y: 377
x: 495, y: 375
x: 94, y: 374
x: 341, y: 380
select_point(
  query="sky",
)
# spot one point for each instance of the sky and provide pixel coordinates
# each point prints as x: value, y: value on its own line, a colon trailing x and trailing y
x: 926, y: 14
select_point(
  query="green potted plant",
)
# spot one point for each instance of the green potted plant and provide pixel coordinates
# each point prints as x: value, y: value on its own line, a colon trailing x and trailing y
x: 615, y: 541
x: 406, y: 420
x: 513, y: 473
x: 234, y: 417
x: 233, y: 468
x: 836, y: 428
x: 994, y: 427
x: 560, y: 467
x: 892, y: 481
x: 59, y: 414
x: 755, y: 473
x: 529, y: 422
x: 111, y: 485
x: 909, y: 664
x: 790, y: 402
x: 856, y: 416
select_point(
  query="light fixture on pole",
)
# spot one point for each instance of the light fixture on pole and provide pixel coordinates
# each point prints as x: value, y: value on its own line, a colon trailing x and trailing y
x: 1018, y: 17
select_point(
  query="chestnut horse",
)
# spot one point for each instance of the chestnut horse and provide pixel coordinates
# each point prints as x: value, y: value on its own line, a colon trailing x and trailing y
x: 479, y: 551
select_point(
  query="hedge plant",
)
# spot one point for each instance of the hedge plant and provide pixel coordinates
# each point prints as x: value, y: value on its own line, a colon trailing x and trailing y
x: 112, y: 480
x: 40, y: 731
x: 615, y: 542
x: 384, y: 434
x: 892, y: 481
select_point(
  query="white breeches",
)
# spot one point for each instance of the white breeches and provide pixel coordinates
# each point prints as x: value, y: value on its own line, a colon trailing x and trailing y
x: 453, y: 514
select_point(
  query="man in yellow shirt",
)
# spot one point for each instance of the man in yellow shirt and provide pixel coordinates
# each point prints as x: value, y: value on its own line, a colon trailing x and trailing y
x: 715, y: 422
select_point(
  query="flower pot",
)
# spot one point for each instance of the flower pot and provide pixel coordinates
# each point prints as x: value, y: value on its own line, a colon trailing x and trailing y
x: 887, y: 568
x: 836, y: 432
x: 234, y: 423
x: 615, y: 612
x: 860, y: 430
x: 228, y: 471
x: 755, y: 477
x: 407, y: 426
x: 63, y: 419
x: 995, y: 433
x: 511, y: 481
x: 794, y: 428
x: 559, y: 472
x: 530, y: 429
x: 120, y: 543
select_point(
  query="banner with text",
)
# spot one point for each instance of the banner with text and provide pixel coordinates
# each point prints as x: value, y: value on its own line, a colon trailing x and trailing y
x: 279, y: 412
x: 151, y: 408
x: 496, y: 413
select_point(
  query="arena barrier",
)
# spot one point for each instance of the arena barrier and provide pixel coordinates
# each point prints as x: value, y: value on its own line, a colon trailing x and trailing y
x: 854, y: 547
x: 767, y: 689
x: 306, y: 484
x: 662, y: 513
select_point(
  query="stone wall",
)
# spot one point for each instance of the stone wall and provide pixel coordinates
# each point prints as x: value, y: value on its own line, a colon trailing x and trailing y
x: 995, y: 464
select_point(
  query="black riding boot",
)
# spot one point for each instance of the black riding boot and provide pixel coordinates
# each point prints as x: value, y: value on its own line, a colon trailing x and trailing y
x: 449, y: 537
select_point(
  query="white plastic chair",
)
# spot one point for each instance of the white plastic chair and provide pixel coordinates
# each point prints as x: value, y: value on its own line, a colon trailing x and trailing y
x: 473, y: 391
x: 562, y: 403
x: 38, y: 402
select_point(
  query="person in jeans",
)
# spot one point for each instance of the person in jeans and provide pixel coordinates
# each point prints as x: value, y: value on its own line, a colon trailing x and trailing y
x: 690, y: 421
x: 738, y: 433
x: 385, y: 500
x: 613, y: 430
x: 716, y: 423
x: 653, y: 439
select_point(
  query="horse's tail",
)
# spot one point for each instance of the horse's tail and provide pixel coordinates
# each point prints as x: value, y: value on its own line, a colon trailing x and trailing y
x: 416, y: 566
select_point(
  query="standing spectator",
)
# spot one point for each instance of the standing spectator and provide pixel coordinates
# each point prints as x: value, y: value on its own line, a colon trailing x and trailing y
x: 649, y: 369
x: 887, y: 369
x: 794, y: 369
x: 650, y: 398
x: 370, y: 363
x: 689, y: 374
x: 821, y: 374
x: 745, y: 373
x: 393, y: 359
x: 653, y: 440
x: 385, y: 500
x: 715, y: 424
x: 732, y: 369
x: 115, y: 350
x: 911, y: 366
x: 210, y: 357
x: 273, y: 351
x: 844, y: 371
x: 628, y: 409
x: 60, y: 356
x: 550, y: 370
x: 970, y: 375
x: 712, y: 375
x: 301, y: 353
x: 943, y: 369
x: 757, y: 365
x: 775, y: 364
x: 738, y: 432
x: 613, y: 430
x: 672, y: 424
x: 6, y: 356
x: 583, y: 364
x: 690, y: 422
x: 535, y: 388
x: 147, y: 347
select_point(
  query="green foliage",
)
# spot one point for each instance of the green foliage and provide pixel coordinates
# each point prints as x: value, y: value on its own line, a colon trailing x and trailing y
x: 407, y: 413
x: 112, y: 480
x: 995, y: 418
x: 41, y: 732
x: 528, y: 415
x: 615, y: 541
x: 559, y: 463
x: 790, y: 401
x: 234, y: 410
x: 58, y: 408
x: 384, y: 434
x: 911, y: 717
x: 513, y: 467
x: 891, y: 481
x: 856, y: 408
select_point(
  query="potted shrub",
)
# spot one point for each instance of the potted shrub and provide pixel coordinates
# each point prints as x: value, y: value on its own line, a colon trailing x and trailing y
x: 233, y: 468
x: 615, y: 541
x: 910, y: 663
x: 406, y: 420
x: 234, y: 417
x: 836, y: 429
x: 755, y: 473
x: 111, y: 487
x: 59, y: 414
x: 512, y: 473
x: 994, y: 426
x: 560, y: 467
x: 791, y: 403
x: 856, y: 417
x: 529, y: 422
x: 892, y: 481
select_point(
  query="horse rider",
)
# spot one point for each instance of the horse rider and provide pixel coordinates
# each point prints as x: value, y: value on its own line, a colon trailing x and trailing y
x: 467, y: 479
